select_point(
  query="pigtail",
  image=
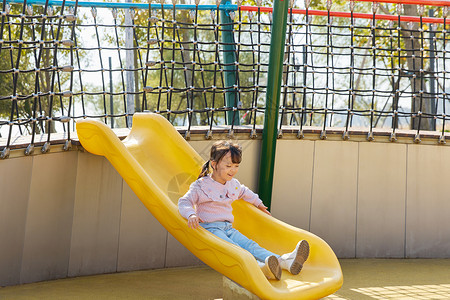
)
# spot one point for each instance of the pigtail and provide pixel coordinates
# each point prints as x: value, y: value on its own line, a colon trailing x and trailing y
x: 205, y: 170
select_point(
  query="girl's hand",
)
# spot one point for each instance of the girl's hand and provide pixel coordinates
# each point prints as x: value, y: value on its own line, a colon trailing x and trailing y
x: 193, y: 221
x: 264, y: 209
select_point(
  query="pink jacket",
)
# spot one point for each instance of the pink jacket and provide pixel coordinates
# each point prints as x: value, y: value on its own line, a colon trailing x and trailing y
x: 211, y: 200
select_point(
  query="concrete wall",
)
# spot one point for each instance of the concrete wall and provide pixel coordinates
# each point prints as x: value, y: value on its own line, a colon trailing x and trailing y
x: 70, y: 214
x: 366, y: 199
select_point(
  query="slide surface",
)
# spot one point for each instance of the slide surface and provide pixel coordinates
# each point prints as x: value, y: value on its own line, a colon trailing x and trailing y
x: 159, y: 165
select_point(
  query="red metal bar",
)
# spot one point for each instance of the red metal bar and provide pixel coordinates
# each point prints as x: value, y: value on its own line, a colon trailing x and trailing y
x: 340, y: 14
x: 415, y: 2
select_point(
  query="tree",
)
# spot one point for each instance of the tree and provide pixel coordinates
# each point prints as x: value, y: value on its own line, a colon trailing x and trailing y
x: 181, y: 64
x: 38, y: 86
x: 380, y: 44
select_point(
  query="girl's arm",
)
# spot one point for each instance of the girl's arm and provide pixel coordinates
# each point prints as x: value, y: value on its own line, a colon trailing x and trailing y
x: 264, y: 209
x: 248, y: 195
x: 188, y: 201
x: 186, y: 206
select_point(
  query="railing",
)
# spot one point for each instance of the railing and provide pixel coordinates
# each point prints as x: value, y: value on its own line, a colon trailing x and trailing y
x: 207, y: 65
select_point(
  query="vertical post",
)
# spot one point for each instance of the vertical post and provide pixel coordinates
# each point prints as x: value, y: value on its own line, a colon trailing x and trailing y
x: 432, y: 69
x: 111, y: 90
x: 137, y: 101
x: 129, y: 65
x: 275, y: 74
x: 229, y: 58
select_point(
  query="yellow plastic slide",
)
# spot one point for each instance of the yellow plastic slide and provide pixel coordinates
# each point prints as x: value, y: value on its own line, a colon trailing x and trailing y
x: 159, y: 165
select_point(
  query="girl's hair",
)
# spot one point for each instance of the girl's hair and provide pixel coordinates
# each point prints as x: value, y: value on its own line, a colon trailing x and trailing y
x: 218, y: 150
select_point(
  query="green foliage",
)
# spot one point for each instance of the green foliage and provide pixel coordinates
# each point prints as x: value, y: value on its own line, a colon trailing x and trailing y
x: 28, y: 81
x: 174, y: 71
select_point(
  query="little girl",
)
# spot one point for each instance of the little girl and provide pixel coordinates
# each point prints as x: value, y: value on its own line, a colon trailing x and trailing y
x: 208, y: 204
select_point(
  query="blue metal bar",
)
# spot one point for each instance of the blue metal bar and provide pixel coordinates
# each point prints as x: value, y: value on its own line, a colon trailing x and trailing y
x: 225, y: 7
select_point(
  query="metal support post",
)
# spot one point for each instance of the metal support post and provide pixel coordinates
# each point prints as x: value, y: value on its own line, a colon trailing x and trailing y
x: 111, y: 90
x: 129, y: 64
x: 275, y: 74
x: 432, y: 70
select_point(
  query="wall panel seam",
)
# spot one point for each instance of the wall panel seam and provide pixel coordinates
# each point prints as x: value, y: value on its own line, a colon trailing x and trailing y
x: 406, y: 203
x: 120, y: 224
x: 357, y: 199
x: 312, y: 185
x: 26, y: 221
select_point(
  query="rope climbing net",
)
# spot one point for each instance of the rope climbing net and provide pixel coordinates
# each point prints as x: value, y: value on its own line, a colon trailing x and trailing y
x: 363, y: 64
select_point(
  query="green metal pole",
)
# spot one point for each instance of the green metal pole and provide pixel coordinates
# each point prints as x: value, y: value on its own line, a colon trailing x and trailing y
x: 275, y: 74
x: 229, y: 58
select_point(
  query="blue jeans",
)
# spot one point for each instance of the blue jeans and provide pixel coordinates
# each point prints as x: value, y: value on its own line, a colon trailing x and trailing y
x: 225, y: 231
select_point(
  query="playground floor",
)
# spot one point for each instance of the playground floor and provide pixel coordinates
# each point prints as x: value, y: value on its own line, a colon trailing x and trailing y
x: 363, y: 279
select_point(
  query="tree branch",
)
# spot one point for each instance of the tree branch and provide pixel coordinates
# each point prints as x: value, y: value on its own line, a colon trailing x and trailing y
x: 385, y: 10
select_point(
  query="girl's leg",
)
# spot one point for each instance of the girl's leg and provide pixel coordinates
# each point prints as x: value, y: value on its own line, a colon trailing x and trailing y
x: 267, y: 261
x: 218, y: 229
x: 251, y: 246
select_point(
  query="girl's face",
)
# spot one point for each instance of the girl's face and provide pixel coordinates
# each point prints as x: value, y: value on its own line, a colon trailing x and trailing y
x: 224, y: 170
